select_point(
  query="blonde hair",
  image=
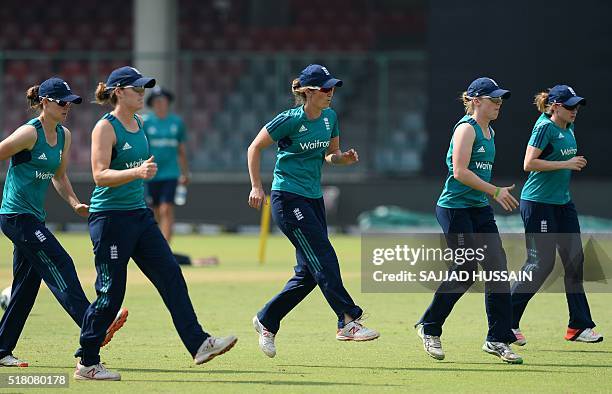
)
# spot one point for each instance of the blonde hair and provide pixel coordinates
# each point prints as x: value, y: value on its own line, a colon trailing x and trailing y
x: 105, y: 96
x: 541, y: 102
x: 33, y: 98
x: 468, y: 104
x: 298, y: 92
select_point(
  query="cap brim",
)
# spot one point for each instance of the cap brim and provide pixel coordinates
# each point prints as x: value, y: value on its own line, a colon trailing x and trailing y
x: 72, y: 98
x: 503, y: 93
x: 575, y: 101
x: 144, y: 83
x: 331, y: 83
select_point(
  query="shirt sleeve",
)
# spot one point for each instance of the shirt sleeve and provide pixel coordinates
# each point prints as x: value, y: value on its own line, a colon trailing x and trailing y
x: 540, y: 137
x: 280, y: 127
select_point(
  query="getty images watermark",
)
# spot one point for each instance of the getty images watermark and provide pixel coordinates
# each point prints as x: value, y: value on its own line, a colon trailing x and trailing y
x: 486, y: 262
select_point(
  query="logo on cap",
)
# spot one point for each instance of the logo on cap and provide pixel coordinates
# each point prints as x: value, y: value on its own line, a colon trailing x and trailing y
x: 325, y: 70
x: 571, y: 90
x: 494, y: 83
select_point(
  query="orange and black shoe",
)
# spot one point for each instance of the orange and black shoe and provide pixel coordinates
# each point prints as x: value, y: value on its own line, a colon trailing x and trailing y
x: 587, y: 335
x: 119, y: 321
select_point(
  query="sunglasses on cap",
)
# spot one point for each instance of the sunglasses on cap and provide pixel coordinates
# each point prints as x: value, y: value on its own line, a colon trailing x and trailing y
x: 494, y: 100
x: 324, y: 90
x: 61, y: 103
x: 570, y: 107
x: 139, y: 89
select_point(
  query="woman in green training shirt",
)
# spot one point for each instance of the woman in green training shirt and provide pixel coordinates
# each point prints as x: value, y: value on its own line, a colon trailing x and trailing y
x: 549, y: 215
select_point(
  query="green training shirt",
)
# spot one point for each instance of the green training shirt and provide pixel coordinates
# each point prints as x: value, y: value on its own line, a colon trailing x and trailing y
x: 457, y: 195
x: 30, y: 173
x: 165, y: 136
x: 302, y: 144
x: 130, y: 151
x: 557, y: 144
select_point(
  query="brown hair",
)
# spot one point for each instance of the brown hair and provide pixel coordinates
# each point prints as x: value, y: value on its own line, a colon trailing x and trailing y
x: 33, y: 99
x: 298, y: 92
x: 105, y: 96
x: 541, y: 102
x: 468, y: 104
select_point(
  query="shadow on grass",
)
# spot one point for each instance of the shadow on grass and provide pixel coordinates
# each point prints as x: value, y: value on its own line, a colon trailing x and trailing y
x: 446, y: 366
x: 560, y: 365
x: 195, y: 369
x: 271, y: 382
x: 576, y: 351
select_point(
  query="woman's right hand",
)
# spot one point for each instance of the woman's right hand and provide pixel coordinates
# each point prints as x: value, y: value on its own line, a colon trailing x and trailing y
x: 576, y: 163
x: 256, y: 197
x: 505, y: 199
x: 147, y: 169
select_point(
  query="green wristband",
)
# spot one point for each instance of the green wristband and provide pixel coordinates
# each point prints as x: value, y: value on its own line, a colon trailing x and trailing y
x: 497, y: 190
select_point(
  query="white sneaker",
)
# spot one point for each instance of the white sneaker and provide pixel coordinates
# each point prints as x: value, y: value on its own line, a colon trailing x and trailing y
x: 356, y: 331
x: 213, y: 347
x: 520, y: 338
x: 503, y: 351
x: 95, y: 372
x: 12, y: 361
x: 431, y: 344
x: 266, y: 338
x: 587, y: 335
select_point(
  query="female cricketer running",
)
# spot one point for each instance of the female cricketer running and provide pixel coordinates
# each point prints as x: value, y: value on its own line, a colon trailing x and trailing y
x: 549, y: 215
x: 39, y: 152
x: 307, y: 136
x: 467, y: 220
x: 122, y: 227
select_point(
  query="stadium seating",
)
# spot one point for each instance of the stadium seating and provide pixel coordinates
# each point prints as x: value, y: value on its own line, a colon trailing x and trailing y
x: 226, y: 94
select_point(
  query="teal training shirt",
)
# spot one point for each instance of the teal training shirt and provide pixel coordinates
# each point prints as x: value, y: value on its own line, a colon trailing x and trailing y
x: 30, y: 173
x: 557, y: 144
x: 165, y: 136
x: 302, y: 144
x: 455, y: 193
x: 130, y: 151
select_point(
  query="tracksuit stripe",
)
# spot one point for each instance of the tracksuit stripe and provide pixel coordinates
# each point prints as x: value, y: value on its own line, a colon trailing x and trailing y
x: 61, y: 284
x: 540, y: 136
x: 275, y: 123
x: 103, y: 299
x: 308, y: 249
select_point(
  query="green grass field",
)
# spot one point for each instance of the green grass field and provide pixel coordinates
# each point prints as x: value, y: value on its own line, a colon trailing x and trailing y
x: 151, y: 358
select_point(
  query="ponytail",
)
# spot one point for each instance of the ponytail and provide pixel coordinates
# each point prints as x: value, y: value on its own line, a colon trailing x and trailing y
x: 541, y: 102
x: 468, y: 104
x: 298, y: 92
x: 105, y: 96
x: 33, y: 98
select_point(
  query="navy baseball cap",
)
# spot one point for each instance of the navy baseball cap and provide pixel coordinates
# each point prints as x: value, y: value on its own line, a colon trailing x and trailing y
x: 158, y: 91
x: 318, y: 76
x: 487, y: 87
x: 57, y: 89
x: 128, y: 76
x: 565, y: 95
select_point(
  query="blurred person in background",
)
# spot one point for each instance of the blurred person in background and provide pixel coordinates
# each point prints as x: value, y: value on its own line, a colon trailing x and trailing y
x: 39, y: 152
x: 467, y: 220
x: 166, y: 134
x: 122, y: 227
x: 307, y: 136
x: 550, y: 217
